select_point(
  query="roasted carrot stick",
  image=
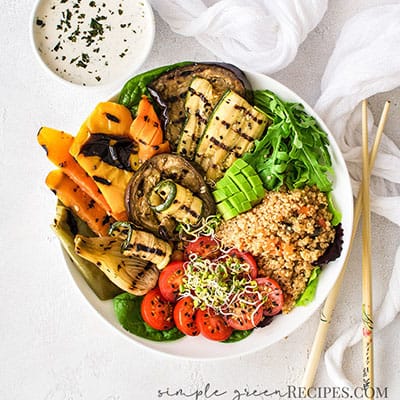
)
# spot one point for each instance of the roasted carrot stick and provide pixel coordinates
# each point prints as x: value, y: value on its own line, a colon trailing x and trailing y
x: 147, y: 151
x: 73, y: 197
x: 147, y: 132
x: 57, y: 144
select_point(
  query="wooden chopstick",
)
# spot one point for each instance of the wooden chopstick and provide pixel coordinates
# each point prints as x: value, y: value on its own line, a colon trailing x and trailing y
x: 330, y: 303
x: 367, y: 313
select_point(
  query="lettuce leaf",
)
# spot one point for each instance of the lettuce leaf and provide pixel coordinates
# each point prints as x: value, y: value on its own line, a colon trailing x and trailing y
x: 127, y: 310
x: 309, y: 293
x: 236, y: 336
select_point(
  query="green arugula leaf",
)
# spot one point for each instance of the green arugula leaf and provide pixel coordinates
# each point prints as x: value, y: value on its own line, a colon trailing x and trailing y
x: 293, y: 151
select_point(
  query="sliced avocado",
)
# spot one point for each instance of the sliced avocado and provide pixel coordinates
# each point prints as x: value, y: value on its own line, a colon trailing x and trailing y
x: 222, y: 182
x: 240, y: 188
x: 227, y: 210
x: 251, y: 196
x: 231, y: 188
x: 260, y: 192
x: 248, y: 171
x: 240, y: 164
x: 233, y: 170
x: 240, y: 202
x: 255, y: 181
x: 241, y: 182
x: 220, y: 195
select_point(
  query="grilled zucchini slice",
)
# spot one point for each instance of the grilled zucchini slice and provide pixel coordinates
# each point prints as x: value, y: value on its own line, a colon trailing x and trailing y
x: 233, y: 127
x: 169, y: 198
x: 200, y: 100
x: 170, y: 88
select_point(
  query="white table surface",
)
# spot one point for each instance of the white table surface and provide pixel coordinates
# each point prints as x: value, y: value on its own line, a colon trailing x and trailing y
x: 52, y: 345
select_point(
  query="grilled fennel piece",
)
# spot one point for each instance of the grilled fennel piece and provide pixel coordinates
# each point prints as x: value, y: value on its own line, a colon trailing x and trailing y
x: 130, y: 273
x: 66, y: 225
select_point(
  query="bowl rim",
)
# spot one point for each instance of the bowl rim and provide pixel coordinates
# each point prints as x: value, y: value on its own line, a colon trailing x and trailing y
x: 163, y: 348
x: 145, y: 54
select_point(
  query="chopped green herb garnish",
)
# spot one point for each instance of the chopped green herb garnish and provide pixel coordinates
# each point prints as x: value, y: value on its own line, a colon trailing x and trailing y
x: 74, y: 35
x: 73, y: 60
x: 81, y: 64
x: 97, y: 28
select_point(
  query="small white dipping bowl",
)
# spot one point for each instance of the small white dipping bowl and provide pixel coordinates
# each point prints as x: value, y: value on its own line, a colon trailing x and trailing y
x: 92, y: 42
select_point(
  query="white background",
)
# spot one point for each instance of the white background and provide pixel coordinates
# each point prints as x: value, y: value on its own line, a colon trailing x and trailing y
x: 52, y: 345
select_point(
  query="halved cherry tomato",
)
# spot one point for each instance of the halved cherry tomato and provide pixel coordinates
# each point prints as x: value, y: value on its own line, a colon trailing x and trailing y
x: 270, y: 288
x: 204, y: 246
x: 245, y: 314
x: 156, y: 311
x: 170, y: 280
x: 184, y: 316
x: 213, y: 326
x: 247, y: 258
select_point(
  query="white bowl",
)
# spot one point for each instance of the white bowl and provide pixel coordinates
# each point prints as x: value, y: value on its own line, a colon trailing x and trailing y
x: 282, y: 325
x: 98, y: 44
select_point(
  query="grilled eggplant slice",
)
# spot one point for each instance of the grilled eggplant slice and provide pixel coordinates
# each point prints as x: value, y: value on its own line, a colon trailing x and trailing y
x: 152, y: 172
x: 169, y: 90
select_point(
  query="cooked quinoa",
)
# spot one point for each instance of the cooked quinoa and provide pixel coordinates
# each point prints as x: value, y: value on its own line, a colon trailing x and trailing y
x: 286, y: 233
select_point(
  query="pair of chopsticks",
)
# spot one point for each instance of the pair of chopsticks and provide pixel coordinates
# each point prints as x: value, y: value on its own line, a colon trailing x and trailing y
x: 362, y: 206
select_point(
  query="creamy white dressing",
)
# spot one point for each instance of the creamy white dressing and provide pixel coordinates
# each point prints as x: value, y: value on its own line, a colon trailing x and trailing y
x: 93, y: 42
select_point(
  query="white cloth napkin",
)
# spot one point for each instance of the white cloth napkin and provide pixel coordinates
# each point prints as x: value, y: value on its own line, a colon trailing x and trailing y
x: 257, y: 35
x: 365, y: 61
